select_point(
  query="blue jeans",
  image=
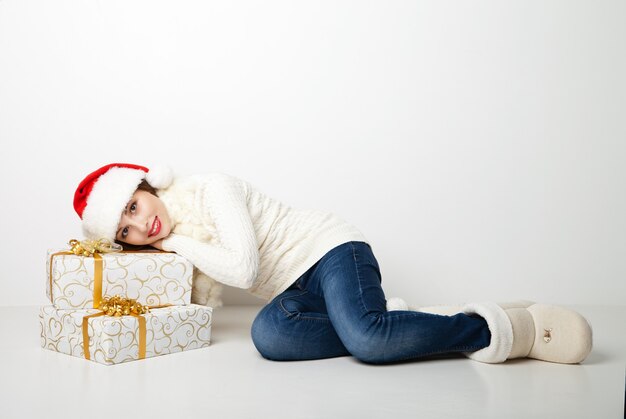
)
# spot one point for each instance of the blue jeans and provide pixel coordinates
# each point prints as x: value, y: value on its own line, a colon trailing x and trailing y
x: 338, y: 308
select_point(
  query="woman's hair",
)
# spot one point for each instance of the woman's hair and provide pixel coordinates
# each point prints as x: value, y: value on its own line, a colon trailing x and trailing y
x: 144, y: 186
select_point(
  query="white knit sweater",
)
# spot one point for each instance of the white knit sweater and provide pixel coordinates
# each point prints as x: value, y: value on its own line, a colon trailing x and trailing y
x: 240, y: 237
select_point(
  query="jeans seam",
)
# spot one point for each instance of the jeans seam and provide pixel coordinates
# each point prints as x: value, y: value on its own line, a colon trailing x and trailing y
x: 314, y: 319
x: 358, y: 276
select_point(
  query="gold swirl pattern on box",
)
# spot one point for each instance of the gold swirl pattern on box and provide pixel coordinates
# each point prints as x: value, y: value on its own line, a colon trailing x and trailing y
x: 113, y: 340
x: 152, y: 278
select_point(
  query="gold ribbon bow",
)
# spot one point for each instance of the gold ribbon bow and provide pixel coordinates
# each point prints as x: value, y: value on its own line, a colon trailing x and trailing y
x: 89, y: 248
x: 118, y: 306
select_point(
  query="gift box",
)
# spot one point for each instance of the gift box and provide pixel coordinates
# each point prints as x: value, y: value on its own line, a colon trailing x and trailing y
x: 93, y: 335
x: 154, y: 278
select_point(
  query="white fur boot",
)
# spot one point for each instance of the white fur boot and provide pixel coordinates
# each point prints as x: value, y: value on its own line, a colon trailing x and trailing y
x: 540, y: 331
x: 396, y: 303
x: 522, y: 329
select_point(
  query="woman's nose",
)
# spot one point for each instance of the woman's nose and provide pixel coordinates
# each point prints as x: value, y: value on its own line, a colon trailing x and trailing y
x: 141, y: 224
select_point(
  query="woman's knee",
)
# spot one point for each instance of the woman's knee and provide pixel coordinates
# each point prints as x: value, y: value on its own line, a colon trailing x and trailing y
x: 263, y: 334
x: 368, y: 351
x: 365, y: 343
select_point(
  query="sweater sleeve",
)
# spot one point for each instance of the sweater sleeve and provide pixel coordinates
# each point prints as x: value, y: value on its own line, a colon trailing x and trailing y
x: 234, y: 261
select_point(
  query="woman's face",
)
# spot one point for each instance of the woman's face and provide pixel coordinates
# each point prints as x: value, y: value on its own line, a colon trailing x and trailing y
x: 144, y: 220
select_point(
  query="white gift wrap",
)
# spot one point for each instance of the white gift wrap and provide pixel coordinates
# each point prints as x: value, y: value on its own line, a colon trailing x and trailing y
x: 150, y: 278
x: 113, y: 340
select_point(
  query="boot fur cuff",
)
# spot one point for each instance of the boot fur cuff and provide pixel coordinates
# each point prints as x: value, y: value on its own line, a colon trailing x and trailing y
x: 501, y: 332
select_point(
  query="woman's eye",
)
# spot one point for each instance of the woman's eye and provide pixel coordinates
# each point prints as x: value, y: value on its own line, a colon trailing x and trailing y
x: 125, y: 232
x: 133, y: 207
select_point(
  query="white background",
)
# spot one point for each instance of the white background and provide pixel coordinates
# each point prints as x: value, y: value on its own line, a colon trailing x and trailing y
x: 480, y: 146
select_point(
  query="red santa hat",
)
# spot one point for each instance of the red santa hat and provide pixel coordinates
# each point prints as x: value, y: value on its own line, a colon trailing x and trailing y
x: 101, y: 197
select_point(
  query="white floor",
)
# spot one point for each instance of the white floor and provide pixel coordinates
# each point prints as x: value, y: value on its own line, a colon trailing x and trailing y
x: 230, y: 379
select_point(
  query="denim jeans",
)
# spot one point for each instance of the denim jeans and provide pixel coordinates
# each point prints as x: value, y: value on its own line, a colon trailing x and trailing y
x: 338, y: 308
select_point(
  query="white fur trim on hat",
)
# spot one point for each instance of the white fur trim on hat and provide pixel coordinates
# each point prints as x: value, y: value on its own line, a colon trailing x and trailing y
x: 501, y: 332
x: 160, y: 176
x: 106, y: 202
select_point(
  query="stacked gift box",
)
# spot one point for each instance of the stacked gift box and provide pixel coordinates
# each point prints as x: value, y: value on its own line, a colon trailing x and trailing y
x: 116, y: 306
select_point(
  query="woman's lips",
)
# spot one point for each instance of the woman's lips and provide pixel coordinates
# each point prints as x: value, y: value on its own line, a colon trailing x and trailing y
x: 156, y: 227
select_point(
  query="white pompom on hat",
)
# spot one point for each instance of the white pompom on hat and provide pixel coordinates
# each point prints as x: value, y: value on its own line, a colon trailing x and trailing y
x: 101, y: 197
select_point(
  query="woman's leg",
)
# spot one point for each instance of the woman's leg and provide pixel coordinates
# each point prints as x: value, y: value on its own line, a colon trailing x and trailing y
x: 349, y: 281
x: 295, y: 326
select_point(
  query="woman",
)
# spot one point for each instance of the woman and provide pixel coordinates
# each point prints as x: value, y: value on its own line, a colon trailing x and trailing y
x: 317, y: 273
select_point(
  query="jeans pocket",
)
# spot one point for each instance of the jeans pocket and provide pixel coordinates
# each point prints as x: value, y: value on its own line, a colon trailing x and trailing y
x: 293, y: 303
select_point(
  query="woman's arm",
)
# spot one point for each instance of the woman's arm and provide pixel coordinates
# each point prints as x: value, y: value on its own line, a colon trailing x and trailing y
x: 235, y: 260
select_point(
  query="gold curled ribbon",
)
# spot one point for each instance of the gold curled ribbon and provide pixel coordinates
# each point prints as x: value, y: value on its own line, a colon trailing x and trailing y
x: 118, y: 306
x: 91, y: 247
